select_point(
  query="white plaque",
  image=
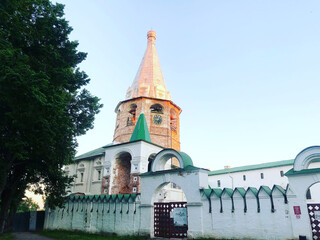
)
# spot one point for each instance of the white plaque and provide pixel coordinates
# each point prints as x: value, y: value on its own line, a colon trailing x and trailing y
x: 180, y: 217
x: 317, y: 215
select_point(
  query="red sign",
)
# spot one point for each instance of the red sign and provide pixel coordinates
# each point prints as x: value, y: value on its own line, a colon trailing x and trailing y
x: 297, y: 210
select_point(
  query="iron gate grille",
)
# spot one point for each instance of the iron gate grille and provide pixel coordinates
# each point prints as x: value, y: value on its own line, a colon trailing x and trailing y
x: 314, y: 215
x: 163, y: 221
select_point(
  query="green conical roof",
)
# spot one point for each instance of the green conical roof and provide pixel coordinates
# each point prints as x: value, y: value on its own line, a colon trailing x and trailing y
x: 141, y: 131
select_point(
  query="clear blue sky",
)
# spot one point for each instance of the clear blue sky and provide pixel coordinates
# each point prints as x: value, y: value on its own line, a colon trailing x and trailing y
x: 245, y: 73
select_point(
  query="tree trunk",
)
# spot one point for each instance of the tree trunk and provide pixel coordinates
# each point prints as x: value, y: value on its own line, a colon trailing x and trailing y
x: 6, y: 199
x: 13, y: 210
x: 5, y: 165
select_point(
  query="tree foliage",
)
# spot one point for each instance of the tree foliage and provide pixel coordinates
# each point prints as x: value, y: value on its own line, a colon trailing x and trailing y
x: 43, y: 105
x: 27, y: 205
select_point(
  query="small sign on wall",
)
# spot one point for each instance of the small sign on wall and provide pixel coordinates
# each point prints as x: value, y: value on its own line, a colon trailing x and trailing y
x: 297, y: 211
x: 317, y: 215
x: 180, y: 217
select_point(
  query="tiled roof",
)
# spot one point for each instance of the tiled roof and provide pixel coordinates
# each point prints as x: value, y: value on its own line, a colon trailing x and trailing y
x: 252, y: 167
x: 149, y: 81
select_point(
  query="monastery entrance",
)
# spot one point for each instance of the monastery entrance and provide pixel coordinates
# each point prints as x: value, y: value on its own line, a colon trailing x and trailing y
x: 170, y: 211
x: 171, y: 195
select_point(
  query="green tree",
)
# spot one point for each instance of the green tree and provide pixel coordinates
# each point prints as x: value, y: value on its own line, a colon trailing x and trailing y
x: 27, y: 205
x: 43, y: 105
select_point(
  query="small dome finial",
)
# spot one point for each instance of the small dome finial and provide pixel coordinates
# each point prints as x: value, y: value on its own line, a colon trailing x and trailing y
x: 152, y: 35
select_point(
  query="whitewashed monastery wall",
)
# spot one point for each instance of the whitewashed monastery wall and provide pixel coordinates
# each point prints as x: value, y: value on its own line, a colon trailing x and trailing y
x: 255, y: 213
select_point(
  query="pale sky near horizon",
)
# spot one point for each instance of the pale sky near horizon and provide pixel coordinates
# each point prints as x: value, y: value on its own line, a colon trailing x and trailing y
x: 245, y: 73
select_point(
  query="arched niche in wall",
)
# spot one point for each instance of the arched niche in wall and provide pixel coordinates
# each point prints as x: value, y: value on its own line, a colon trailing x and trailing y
x: 173, y: 120
x: 121, y: 173
x: 156, y: 108
x: 132, y: 114
x: 313, y: 193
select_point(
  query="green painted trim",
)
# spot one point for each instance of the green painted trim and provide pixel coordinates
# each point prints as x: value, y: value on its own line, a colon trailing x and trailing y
x: 283, y: 191
x: 229, y: 191
x: 207, y: 192
x: 304, y: 171
x: 217, y: 192
x: 241, y: 190
x: 141, y: 131
x: 252, y: 167
x: 187, y: 161
x: 126, y: 197
x: 266, y: 189
x: 253, y: 190
x: 134, y: 196
x: 120, y: 196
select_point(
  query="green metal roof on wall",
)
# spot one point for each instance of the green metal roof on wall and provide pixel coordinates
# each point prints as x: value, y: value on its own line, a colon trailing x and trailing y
x: 207, y: 192
x: 112, y: 197
x: 266, y: 189
x: 253, y: 190
x: 210, y: 191
x: 187, y: 161
x: 241, y: 190
x: 93, y: 153
x: 303, y: 171
x: 283, y: 191
x: 229, y: 191
x: 141, y: 131
x: 252, y: 167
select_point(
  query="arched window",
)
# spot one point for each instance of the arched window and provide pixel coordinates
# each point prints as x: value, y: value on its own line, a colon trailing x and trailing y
x: 118, y: 118
x: 173, y: 120
x: 156, y: 108
x: 132, y: 115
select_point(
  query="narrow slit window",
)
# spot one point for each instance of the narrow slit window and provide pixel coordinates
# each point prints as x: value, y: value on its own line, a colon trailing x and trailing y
x: 81, y: 177
x: 219, y: 183
x: 281, y: 173
x: 308, y: 195
x: 261, y: 175
x: 244, y: 177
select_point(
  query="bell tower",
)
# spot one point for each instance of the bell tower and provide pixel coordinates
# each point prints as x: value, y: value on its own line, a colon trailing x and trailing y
x: 148, y: 95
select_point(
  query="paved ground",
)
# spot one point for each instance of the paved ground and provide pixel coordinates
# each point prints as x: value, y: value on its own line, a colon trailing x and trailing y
x: 29, y: 236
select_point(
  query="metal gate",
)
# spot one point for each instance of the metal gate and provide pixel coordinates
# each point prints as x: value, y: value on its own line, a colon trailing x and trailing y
x: 170, y: 219
x: 314, y: 214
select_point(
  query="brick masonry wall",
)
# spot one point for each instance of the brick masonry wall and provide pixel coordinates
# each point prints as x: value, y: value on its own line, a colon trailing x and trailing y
x: 160, y: 134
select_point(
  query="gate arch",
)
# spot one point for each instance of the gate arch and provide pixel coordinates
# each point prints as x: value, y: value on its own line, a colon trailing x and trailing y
x: 188, y: 177
x: 305, y: 157
x: 158, y: 163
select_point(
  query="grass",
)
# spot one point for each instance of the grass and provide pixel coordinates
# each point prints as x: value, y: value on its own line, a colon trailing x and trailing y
x: 68, y: 235
x: 6, y: 236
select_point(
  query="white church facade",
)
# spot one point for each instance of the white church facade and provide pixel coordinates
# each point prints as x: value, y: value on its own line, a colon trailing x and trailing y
x: 142, y: 184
